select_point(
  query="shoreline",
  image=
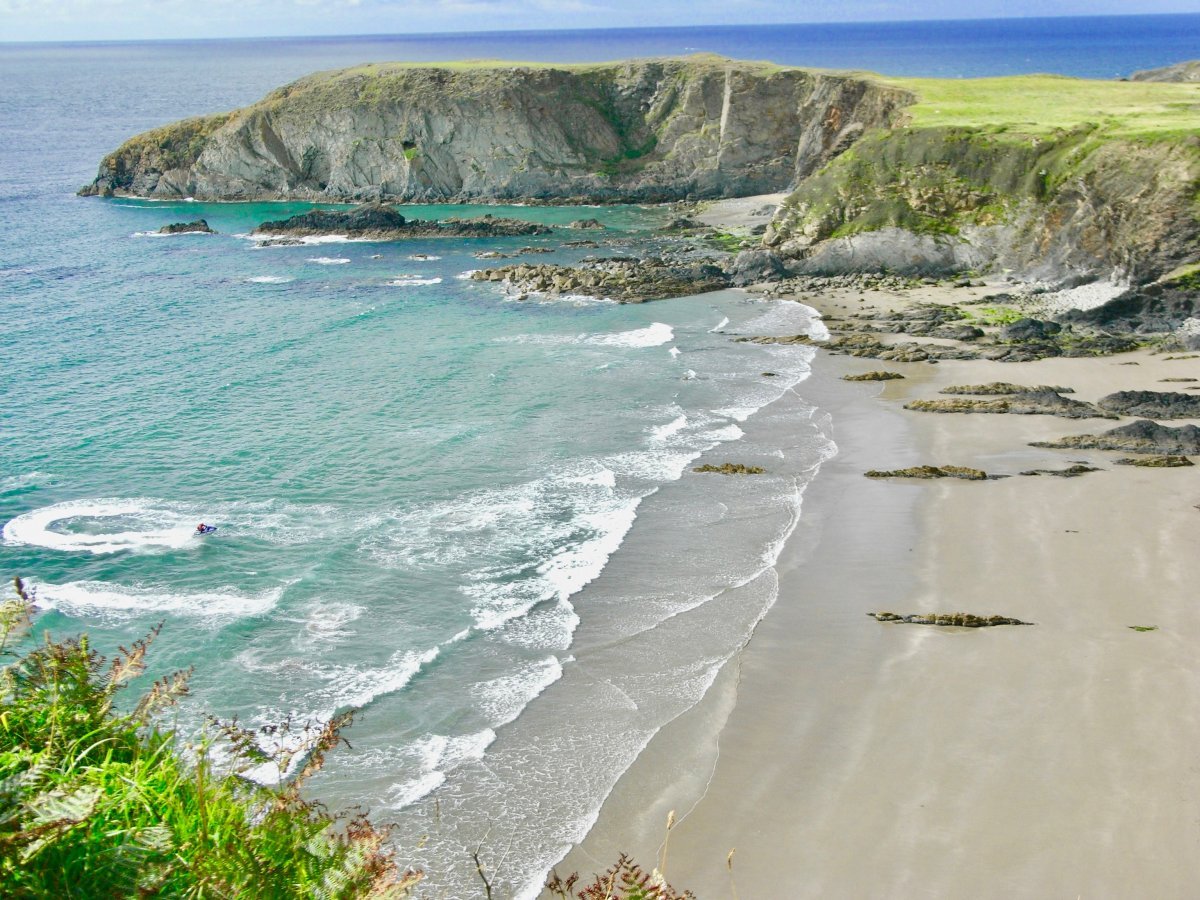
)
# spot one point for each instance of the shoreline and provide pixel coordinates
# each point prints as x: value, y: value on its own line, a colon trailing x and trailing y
x: 842, y: 756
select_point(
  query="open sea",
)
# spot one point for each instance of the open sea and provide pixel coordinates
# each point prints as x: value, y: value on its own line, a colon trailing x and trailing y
x: 471, y: 519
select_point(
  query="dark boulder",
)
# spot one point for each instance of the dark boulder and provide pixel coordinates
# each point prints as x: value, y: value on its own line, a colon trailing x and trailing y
x: 1152, y: 404
x: 1029, y: 330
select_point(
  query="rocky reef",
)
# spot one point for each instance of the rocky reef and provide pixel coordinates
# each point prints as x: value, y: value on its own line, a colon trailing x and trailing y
x: 962, y: 620
x: 730, y: 469
x: 1152, y: 404
x: 644, y: 130
x: 963, y: 472
x: 376, y: 221
x: 620, y: 278
x: 200, y: 226
x: 1143, y: 436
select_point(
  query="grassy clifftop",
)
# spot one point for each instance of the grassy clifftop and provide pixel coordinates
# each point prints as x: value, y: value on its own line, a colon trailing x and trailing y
x: 1045, y: 104
x: 1058, y: 177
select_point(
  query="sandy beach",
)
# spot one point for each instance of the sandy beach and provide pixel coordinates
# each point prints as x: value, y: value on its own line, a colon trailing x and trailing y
x: 844, y: 757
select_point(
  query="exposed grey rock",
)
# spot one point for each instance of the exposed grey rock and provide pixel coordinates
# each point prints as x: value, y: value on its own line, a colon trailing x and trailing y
x: 200, y: 226
x: 1152, y: 404
x: 1046, y: 403
x: 643, y: 130
x: 1073, y: 471
x: 380, y: 222
x: 1142, y: 436
x: 755, y: 266
x: 963, y: 472
x: 1186, y: 72
x: 1003, y: 387
x: 586, y: 224
x: 1029, y: 330
x: 622, y: 279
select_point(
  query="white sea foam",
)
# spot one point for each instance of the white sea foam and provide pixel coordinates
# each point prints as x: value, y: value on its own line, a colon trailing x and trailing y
x: 654, y: 335
x: 159, y: 234
x: 503, y: 698
x: 466, y: 276
x: 424, y: 257
x: 662, y: 433
x: 674, y: 351
x: 409, y: 281
x: 438, y: 756
x: 345, y: 688
x: 329, y: 260
x: 108, y: 602
x: 724, y: 321
x: 270, y: 279
x: 109, y: 526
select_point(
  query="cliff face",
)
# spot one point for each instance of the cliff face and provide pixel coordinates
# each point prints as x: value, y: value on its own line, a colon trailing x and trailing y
x: 646, y: 130
x: 1070, y: 207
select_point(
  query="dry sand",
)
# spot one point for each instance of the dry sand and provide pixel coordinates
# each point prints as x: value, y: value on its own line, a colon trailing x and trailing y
x: 849, y: 758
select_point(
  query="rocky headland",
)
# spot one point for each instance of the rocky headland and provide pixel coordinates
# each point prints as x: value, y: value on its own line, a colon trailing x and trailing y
x: 1083, y: 188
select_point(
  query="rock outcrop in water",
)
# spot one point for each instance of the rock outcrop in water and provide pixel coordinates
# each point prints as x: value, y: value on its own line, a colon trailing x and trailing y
x: 376, y: 221
x: 646, y: 130
x: 198, y: 227
x: 623, y: 279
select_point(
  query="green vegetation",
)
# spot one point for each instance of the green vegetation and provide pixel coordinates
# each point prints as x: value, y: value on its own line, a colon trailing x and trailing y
x: 1144, y: 627
x: 98, y: 802
x: 996, y: 315
x: 1047, y: 104
x: 725, y: 240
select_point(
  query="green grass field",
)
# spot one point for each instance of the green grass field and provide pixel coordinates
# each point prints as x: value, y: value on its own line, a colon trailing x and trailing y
x: 1042, y: 104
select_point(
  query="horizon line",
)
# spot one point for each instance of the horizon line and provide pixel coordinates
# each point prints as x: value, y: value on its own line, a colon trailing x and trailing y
x: 607, y: 29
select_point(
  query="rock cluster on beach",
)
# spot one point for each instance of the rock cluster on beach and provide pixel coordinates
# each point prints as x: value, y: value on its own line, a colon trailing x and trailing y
x: 1152, y: 404
x: 376, y: 221
x: 963, y: 472
x: 1143, y: 436
x: 1045, y: 402
x: 623, y: 279
x: 874, y: 376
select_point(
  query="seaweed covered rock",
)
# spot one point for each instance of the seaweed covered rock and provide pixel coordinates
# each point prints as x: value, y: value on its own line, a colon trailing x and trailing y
x: 1157, y: 462
x: 1004, y: 387
x: 1044, y: 403
x: 1142, y: 436
x: 730, y: 469
x: 930, y: 472
x: 1072, y: 471
x: 1152, y: 404
x: 961, y: 620
x: 873, y: 376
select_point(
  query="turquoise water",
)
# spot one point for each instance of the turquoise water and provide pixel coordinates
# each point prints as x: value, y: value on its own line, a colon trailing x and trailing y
x: 413, y: 476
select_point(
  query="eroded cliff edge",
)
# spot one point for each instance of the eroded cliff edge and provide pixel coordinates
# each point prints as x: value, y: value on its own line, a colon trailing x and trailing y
x: 647, y: 130
x: 1043, y: 178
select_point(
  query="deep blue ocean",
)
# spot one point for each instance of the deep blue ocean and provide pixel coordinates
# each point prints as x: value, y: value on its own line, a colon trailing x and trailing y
x: 469, y: 517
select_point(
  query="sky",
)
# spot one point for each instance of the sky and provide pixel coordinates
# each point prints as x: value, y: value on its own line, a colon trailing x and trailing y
x: 65, y: 20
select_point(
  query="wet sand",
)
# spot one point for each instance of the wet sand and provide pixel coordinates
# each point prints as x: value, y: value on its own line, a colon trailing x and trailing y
x: 844, y: 757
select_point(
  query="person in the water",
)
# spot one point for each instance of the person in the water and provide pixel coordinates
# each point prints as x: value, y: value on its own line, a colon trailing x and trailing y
x: 201, y: 528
